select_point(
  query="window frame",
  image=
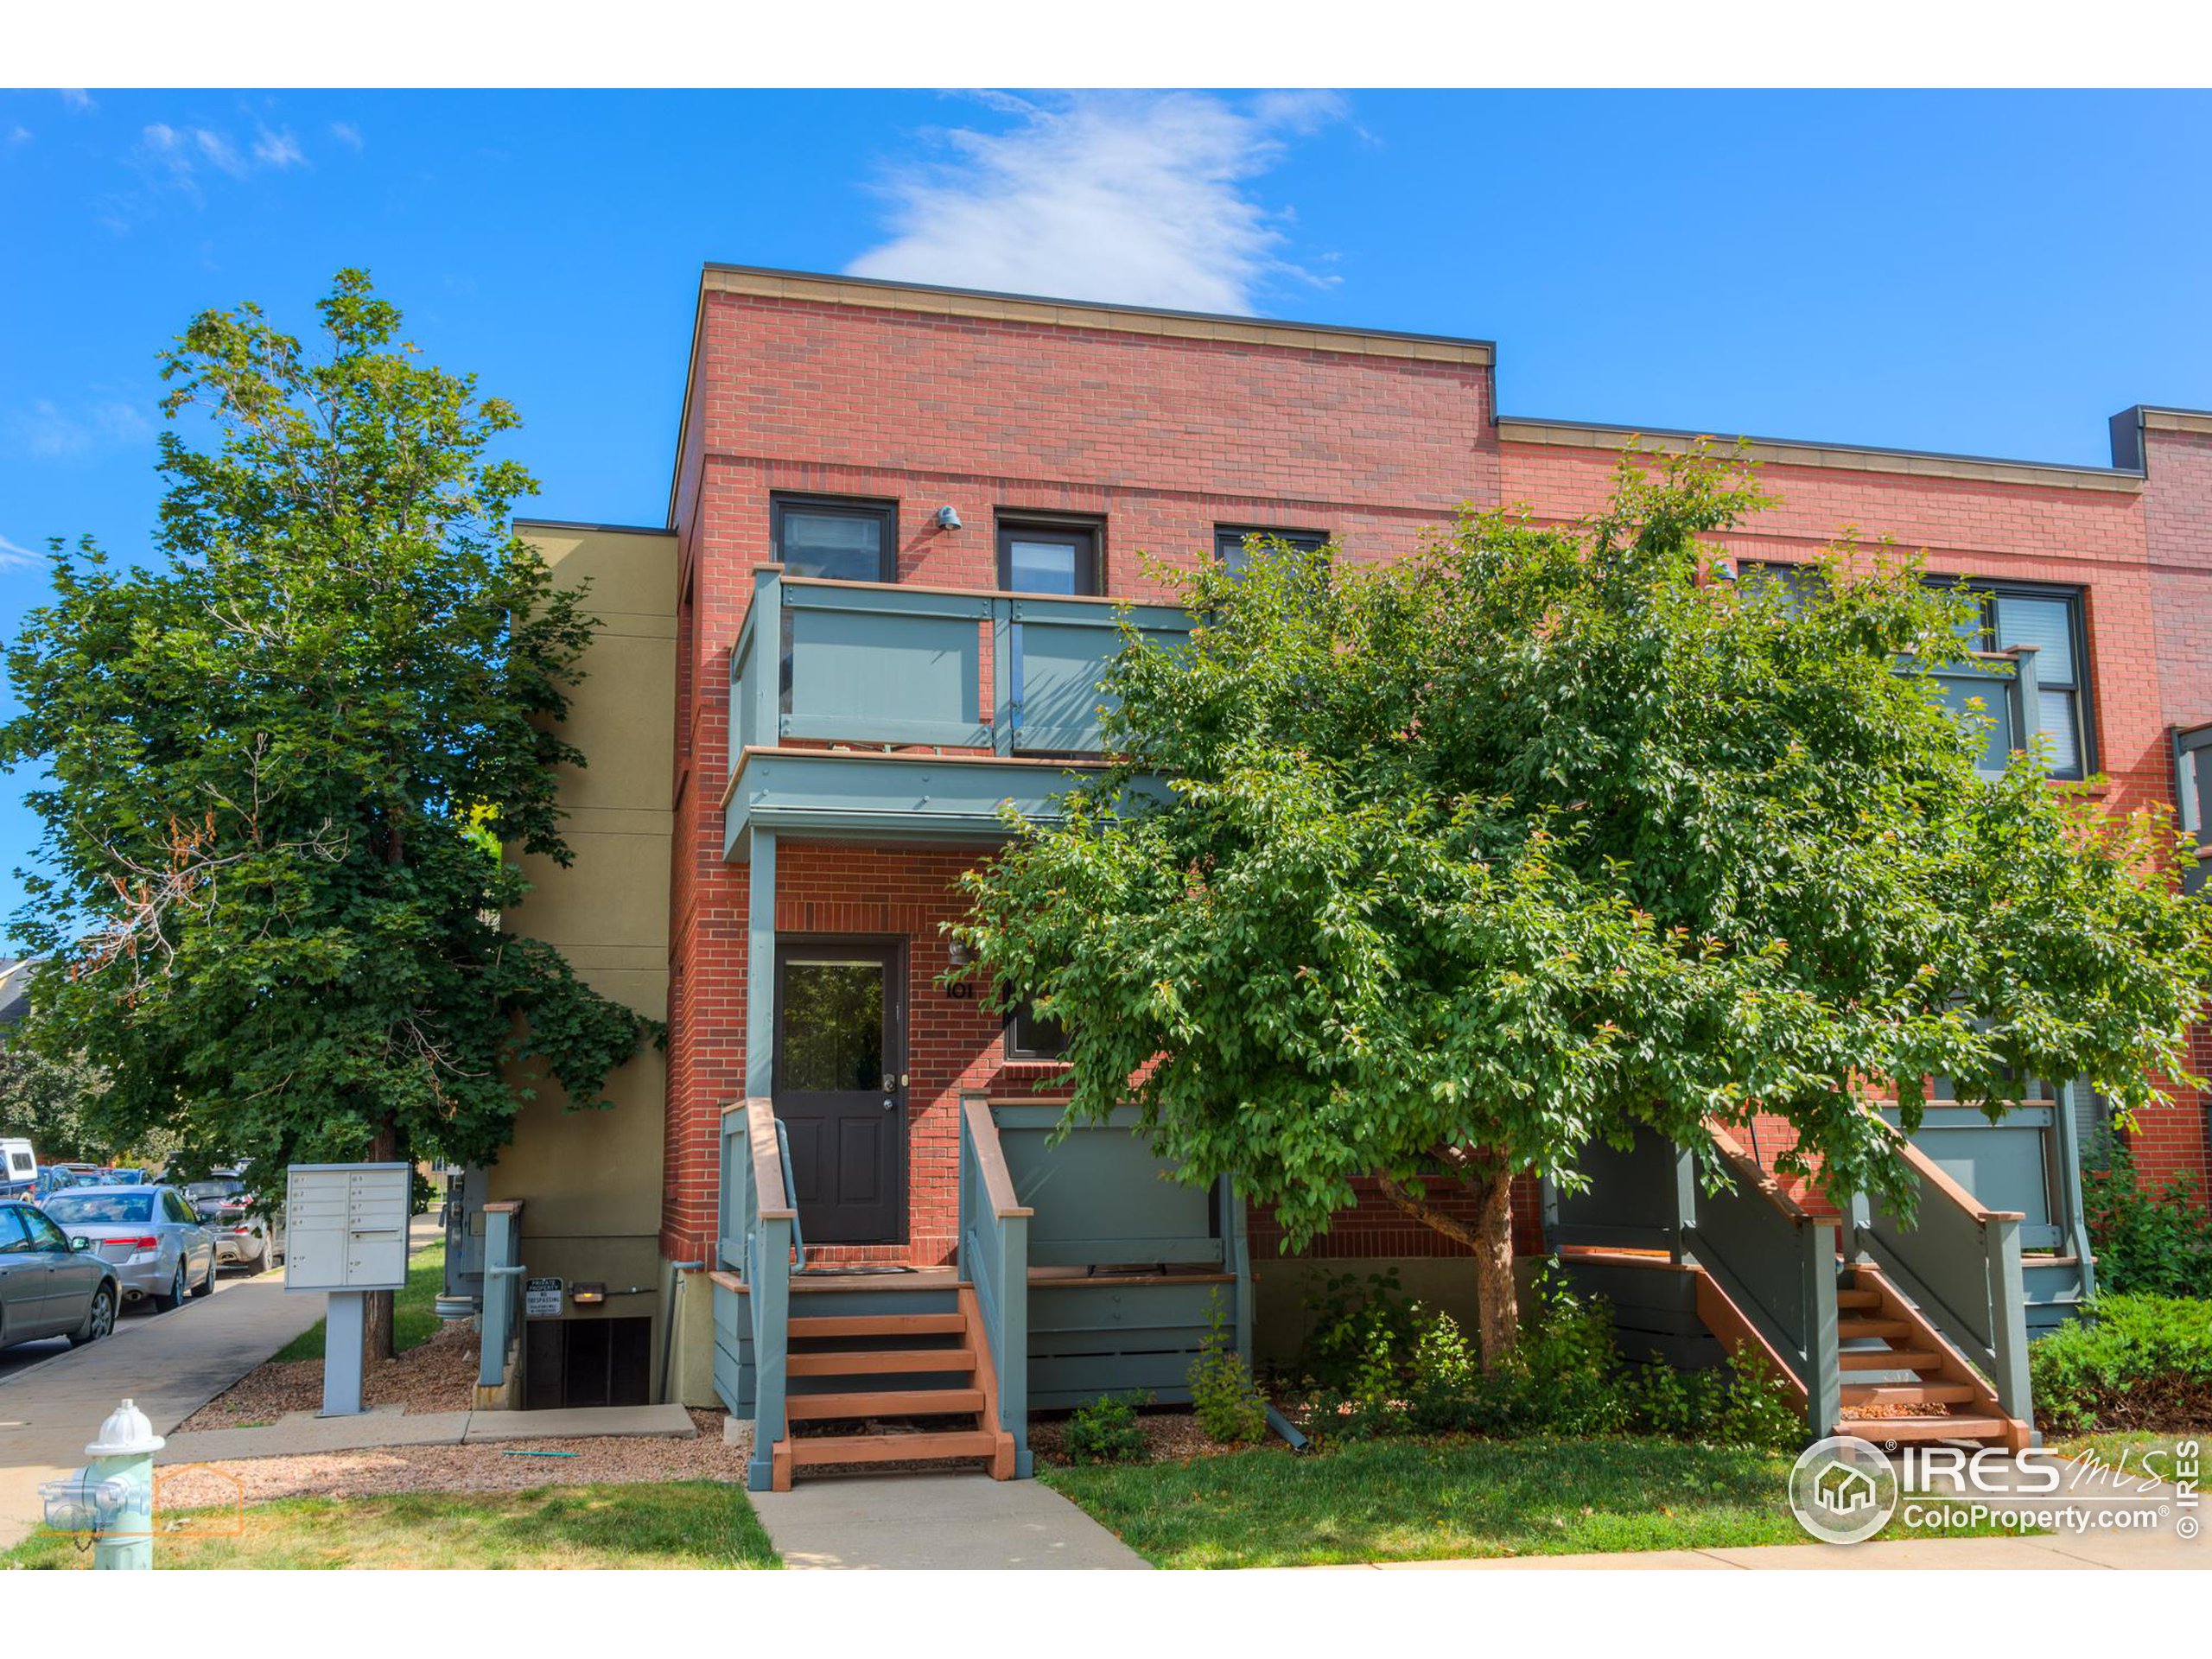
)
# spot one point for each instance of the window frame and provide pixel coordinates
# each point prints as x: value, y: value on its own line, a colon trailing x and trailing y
x: 1987, y: 589
x: 1026, y: 1056
x: 1231, y: 537
x: 884, y: 510
x: 1012, y: 522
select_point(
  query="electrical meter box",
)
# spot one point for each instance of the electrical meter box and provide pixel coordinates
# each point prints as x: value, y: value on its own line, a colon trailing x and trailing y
x: 346, y: 1226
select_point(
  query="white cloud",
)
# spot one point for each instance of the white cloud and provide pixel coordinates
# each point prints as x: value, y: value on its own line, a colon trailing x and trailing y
x: 1140, y: 198
x: 348, y: 134
x: 278, y: 148
x: 49, y: 432
x: 19, y: 135
x: 13, y: 558
x: 78, y: 98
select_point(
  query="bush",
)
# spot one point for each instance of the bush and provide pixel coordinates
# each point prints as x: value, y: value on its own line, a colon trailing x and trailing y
x: 2132, y: 1362
x: 1106, y: 1430
x: 1223, y: 1397
x: 1352, y: 1317
x: 2153, y: 1240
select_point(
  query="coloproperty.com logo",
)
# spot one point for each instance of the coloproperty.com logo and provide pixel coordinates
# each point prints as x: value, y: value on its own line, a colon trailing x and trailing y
x: 1843, y: 1490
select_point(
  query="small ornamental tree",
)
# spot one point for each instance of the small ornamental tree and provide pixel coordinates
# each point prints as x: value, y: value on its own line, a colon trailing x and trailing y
x: 282, y: 759
x: 1466, y: 862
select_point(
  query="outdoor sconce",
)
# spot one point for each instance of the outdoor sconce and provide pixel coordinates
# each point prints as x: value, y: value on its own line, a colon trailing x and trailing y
x: 947, y: 519
x: 957, y: 953
x: 588, y: 1295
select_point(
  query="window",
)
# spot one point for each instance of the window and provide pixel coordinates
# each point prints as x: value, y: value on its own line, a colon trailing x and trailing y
x: 1029, y: 1037
x: 1802, y: 585
x: 843, y: 540
x: 1229, y: 542
x: 1049, y: 557
x: 13, y: 1239
x: 2050, y: 619
x: 45, y: 1235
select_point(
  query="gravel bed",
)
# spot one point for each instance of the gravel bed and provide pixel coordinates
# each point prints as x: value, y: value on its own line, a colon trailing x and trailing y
x: 489, y: 1468
x: 439, y: 1376
x: 1170, y: 1436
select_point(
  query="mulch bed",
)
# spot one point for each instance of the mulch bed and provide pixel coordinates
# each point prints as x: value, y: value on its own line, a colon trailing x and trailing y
x: 440, y: 1376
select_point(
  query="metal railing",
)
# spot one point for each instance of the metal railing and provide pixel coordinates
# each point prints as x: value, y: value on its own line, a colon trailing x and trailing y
x: 861, y: 662
x: 760, y: 1227
x: 2193, y: 798
x: 993, y: 1252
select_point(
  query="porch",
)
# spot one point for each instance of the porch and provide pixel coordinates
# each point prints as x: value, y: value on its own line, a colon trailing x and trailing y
x: 1083, y: 1269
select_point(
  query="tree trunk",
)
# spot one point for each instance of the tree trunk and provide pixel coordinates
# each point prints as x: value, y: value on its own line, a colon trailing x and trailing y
x: 1489, y: 1237
x: 376, y: 1306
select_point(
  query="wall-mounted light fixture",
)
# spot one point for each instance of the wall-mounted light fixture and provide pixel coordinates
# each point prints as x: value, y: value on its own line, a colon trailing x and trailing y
x: 957, y: 953
x: 588, y: 1295
x: 948, y: 518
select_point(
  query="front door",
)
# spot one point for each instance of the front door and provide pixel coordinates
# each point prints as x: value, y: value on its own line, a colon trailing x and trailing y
x: 840, y: 1055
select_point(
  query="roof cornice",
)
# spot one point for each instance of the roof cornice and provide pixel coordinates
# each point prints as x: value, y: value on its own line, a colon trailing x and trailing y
x: 1857, y: 458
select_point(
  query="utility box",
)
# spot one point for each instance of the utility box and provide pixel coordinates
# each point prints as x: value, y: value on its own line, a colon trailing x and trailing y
x: 348, y: 1226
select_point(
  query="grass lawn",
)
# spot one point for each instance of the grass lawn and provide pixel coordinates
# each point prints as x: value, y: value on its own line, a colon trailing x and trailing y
x: 695, y: 1523
x: 414, y: 1314
x: 1412, y: 1500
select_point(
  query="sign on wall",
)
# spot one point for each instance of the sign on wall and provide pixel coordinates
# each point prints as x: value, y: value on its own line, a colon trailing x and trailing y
x: 541, y: 1299
x: 346, y: 1226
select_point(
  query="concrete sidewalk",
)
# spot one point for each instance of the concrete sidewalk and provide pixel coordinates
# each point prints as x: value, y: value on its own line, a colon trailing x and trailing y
x: 303, y: 1433
x: 934, y: 1521
x: 2072, y: 1551
x: 170, y: 1365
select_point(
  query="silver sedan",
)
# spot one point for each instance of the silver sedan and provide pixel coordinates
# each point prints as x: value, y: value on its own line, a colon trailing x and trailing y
x: 154, y: 1240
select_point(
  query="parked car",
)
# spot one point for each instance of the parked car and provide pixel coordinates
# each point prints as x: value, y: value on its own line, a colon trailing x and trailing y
x: 243, y: 1235
x: 18, y: 1166
x: 158, y: 1247
x: 48, y: 1285
x: 53, y: 1179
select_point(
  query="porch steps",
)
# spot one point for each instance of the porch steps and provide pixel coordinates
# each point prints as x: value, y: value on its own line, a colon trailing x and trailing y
x: 883, y: 1361
x: 1935, y: 1394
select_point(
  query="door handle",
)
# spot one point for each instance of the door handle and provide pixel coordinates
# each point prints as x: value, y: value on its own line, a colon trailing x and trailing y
x: 890, y: 1103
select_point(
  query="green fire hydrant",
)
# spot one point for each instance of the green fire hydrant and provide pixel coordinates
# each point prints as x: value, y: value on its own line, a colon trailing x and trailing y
x: 124, y: 1453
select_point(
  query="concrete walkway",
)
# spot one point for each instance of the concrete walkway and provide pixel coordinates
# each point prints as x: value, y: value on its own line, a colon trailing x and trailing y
x: 934, y: 1521
x: 170, y: 1364
x: 302, y: 1433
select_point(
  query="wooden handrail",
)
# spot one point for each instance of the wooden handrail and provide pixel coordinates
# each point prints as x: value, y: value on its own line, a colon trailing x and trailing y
x: 768, y: 1160
x: 990, y: 1158
x: 1754, y: 1172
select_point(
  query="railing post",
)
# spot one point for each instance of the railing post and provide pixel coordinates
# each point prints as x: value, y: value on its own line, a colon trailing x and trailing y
x: 2027, y: 695
x: 1012, y: 1355
x: 2008, y: 1316
x: 767, y: 685
x: 760, y: 966
x: 1240, y: 1262
x: 1004, y: 691
x: 1678, y: 1247
x: 1823, y: 1344
x: 497, y: 1323
x: 2067, y: 1137
x: 770, y: 1291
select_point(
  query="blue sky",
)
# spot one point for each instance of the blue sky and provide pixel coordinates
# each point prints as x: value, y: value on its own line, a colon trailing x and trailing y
x: 1992, y: 274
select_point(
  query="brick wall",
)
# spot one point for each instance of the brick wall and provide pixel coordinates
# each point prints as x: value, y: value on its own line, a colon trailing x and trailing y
x: 1166, y: 438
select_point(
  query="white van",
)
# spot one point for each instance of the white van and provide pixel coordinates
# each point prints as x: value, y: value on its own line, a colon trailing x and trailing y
x: 18, y: 1165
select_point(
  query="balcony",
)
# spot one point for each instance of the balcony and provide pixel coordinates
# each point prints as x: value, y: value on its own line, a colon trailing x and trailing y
x: 873, y: 708
x: 2193, y: 796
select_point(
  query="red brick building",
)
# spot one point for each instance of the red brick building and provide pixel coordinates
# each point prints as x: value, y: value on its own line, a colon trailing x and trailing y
x: 954, y: 447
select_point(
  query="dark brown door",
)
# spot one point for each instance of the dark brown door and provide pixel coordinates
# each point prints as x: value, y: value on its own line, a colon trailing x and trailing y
x: 840, y: 1053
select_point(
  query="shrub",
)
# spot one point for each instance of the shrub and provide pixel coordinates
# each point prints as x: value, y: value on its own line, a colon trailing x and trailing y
x: 1349, y: 1314
x: 1106, y: 1430
x: 2132, y: 1362
x: 2152, y: 1241
x: 1756, y: 1410
x: 1223, y: 1397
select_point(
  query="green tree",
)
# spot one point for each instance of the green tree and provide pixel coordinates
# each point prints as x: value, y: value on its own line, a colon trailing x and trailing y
x: 44, y: 1100
x: 270, y: 907
x: 1464, y: 862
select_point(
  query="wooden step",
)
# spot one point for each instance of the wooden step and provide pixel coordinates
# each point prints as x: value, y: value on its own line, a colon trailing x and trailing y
x: 1853, y: 1330
x: 891, y: 1448
x: 1862, y: 1359
x: 891, y: 1402
x: 1907, y: 1394
x: 880, y: 1325
x: 859, y: 1362
x: 1847, y: 1298
x: 1927, y: 1428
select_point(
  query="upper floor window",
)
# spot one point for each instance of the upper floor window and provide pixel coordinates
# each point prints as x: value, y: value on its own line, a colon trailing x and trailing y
x: 1229, y: 542
x: 1050, y: 556
x: 2051, y: 620
x: 1801, y: 585
x: 836, y: 536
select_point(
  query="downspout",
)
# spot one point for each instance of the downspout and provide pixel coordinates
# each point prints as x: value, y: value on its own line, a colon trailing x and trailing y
x: 675, y: 1270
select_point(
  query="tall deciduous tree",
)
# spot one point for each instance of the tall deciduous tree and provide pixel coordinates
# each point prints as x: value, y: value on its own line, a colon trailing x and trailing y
x: 1466, y: 863
x: 271, y: 904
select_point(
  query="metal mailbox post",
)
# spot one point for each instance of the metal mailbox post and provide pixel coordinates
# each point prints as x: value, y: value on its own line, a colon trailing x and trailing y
x: 347, y: 1235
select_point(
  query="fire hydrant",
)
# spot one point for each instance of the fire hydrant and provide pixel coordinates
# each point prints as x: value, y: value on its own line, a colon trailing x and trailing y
x: 124, y: 1453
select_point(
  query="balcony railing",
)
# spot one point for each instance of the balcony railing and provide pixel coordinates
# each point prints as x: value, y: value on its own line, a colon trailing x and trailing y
x: 2005, y: 683
x: 877, y: 663
x: 2193, y: 793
